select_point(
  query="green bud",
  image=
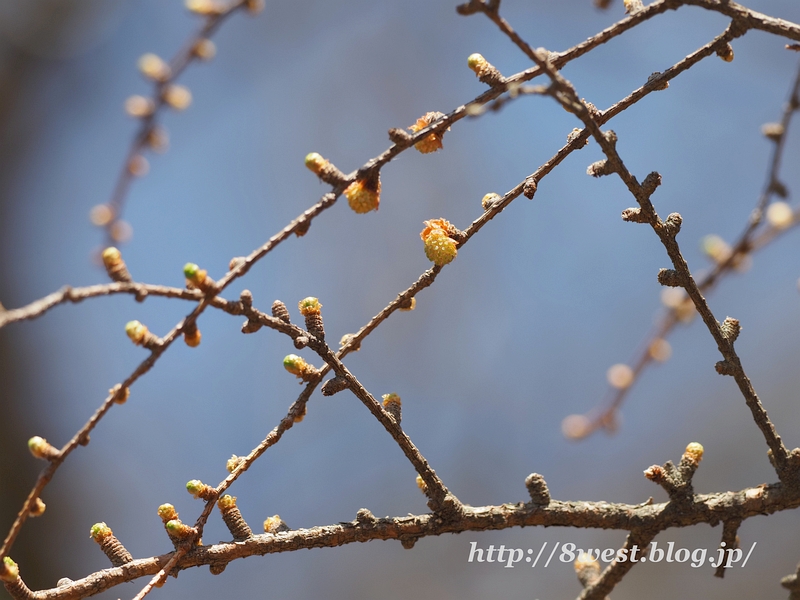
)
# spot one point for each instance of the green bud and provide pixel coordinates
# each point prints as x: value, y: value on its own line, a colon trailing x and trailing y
x: 9, y: 571
x: 309, y: 305
x: 99, y: 531
x: 294, y: 364
x: 190, y: 270
x: 314, y: 162
x: 226, y: 502
x: 167, y: 512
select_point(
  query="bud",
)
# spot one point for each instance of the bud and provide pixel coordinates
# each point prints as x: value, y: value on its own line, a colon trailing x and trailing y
x: 489, y: 200
x: 632, y: 6
x: 440, y: 248
x: 138, y: 166
x: 409, y: 304
x: 661, y: 85
x: 693, y: 452
x: 780, y: 215
x: 115, y: 266
x: 310, y: 308
x: 9, y: 571
x: 233, y: 462
x: 197, y: 278
x: 364, y: 195
x: 275, y: 524
x: 167, y: 512
x: 323, y: 168
x: 177, y: 96
x: 158, y: 139
x: 298, y: 367
x: 620, y: 376
x: 40, y: 448
x: 345, y: 339
x: 586, y: 566
x: 153, y: 67
x: 773, y: 131
x: 204, y: 49
x: 204, y: 7
x: 192, y: 335
x: 179, y: 531
x: 656, y: 474
x: 236, y: 524
x: 38, y: 508
x: 198, y: 489
x: 101, y: 215
x: 433, y: 141
x: 279, y: 311
x: 110, y: 545
x: 139, y: 106
x: 120, y: 393
x: 254, y: 6
x: 141, y: 336
x: 334, y: 386
x: 485, y: 71
x: 393, y: 405
x: 660, y: 350
x: 537, y: 488
x: 725, y: 52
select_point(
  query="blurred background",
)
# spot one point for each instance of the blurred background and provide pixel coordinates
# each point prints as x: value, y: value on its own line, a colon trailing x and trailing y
x: 515, y: 335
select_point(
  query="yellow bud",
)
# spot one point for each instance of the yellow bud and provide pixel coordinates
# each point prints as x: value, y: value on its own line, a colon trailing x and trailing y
x: 153, y: 67
x: 204, y: 49
x: 694, y: 452
x: 139, y: 106
x: 177, y: 96
x: 363, y: 195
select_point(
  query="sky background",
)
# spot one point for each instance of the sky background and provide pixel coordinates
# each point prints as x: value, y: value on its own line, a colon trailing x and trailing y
x: 514, y: 335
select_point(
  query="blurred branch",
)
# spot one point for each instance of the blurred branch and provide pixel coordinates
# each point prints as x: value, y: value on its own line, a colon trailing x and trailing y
x: 442, y: 239
x: 753, y: 238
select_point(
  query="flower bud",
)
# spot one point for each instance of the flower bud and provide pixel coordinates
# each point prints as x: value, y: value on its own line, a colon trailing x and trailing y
x: 364, y: 195
x: 310, y: 308
x: 440, y: 248
x: 40, y: 448
x: 233, y: 519
x: 275, y: 524
x: 299, y: 367
x: 167, y: 512
x: 198, y: 489
x: 38, y: 508
x: 9, y: 571
x: 110, y: 545
x: 141, y: 336
x: 204, y: 7
x: 725, y: 52
x: 393, y: 405
x: 115, y: 266
x: 233, y: 462
x: 489, y: 200
x: 197, y: 278
x: 204, y: 49
x: 485, y: 71
x: 153, y: 67
x: 177, y: 96
x: 433, y: 141
x: 323, y: 168
x: 694, y: 452
x: 139, y: 107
